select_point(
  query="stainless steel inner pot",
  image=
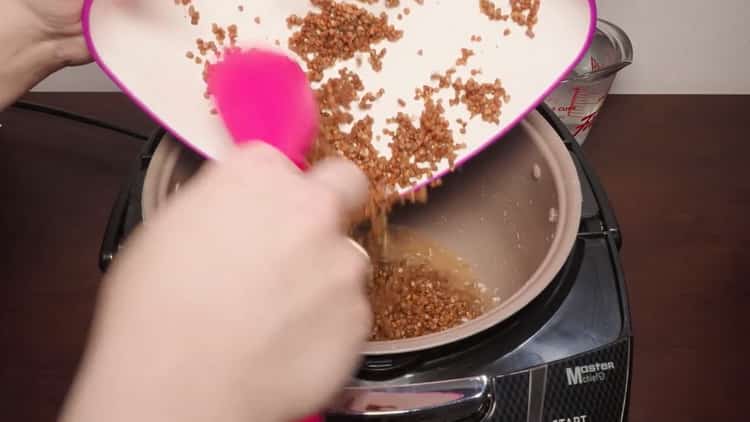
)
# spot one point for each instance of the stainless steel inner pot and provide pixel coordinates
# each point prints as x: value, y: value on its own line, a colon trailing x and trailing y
x: 512, y: 213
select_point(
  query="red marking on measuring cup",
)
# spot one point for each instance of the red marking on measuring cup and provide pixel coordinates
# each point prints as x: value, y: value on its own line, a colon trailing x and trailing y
x: 587, y: 123
x: 595, y: 65
x: 572, y: 106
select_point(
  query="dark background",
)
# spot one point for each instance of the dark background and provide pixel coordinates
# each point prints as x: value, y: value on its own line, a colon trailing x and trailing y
x: 672, y: 165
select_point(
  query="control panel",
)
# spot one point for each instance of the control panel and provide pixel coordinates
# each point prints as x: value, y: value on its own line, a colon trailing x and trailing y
x: 592, y: 387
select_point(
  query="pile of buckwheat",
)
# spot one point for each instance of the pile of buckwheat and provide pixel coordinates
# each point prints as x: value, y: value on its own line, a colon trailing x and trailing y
x: 413, y: 299
x: 337, y: 32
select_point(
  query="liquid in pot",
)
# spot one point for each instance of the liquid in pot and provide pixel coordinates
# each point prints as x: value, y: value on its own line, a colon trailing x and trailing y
x: 419, y: 287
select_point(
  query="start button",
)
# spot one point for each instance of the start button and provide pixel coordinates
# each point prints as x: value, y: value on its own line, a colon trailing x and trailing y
x: 582, y: 418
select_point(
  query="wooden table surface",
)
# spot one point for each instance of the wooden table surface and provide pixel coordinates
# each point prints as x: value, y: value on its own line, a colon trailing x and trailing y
x: 672, y: 165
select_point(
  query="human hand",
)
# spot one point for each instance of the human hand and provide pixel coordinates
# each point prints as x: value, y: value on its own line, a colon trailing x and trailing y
x: 59, y: 20
x: 241, y: 300
x: 37, y: 38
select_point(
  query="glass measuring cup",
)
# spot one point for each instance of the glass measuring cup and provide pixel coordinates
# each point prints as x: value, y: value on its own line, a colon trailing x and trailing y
x: 578, y: 99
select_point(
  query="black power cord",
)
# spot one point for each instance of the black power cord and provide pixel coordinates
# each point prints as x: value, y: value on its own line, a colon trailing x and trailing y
x: 38, y: 108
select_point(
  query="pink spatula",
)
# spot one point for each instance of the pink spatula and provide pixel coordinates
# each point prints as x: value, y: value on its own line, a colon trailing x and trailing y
x: 265, y: 96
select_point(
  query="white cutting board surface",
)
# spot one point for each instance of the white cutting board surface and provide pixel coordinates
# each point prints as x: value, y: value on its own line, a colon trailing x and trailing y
x: 142, y: 46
